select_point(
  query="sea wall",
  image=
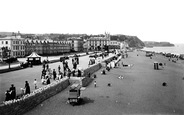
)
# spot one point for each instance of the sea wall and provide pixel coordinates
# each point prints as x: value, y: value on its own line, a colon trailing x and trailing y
x: 88, y: 74
x: 28, y: 103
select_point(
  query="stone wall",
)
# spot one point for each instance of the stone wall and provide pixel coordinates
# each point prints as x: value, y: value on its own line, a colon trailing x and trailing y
x: 25, y: 105
x: 92, y: 69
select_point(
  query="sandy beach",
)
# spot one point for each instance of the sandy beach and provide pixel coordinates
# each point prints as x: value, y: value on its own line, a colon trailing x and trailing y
x: 139, y: 92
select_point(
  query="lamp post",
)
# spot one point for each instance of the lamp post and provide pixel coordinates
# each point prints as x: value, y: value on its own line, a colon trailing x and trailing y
x: 9, y: 61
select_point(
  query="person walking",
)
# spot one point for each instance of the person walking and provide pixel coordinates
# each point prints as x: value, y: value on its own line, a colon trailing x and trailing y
x: 47, y: 66
x: 54, y: 74
x: 43, y: 73
x: 74, y: 65
x: 72, y: 60
x: 35, y: 84
x: 59, y: 68
x: 77, y: 60
x: 13, y: 91
x: 68, y: 73
x: 27, y: 88
x: 66, y: 65
x: 43, y: 65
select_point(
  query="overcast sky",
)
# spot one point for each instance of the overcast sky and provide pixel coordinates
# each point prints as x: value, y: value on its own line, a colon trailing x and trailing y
x: 150, y: 20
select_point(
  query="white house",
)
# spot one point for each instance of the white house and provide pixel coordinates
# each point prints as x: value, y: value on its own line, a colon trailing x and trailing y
x: 15, y: 44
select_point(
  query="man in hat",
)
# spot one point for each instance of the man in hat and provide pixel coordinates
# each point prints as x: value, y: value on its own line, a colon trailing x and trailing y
x: 13, y: 91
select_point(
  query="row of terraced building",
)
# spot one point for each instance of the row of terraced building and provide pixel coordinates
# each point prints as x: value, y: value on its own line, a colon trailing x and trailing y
x: 21, y: 47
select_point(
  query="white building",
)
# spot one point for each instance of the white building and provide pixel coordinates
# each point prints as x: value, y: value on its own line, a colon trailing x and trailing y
x: 15, y: 44
x: 76, y: 43
x: 98, y: 42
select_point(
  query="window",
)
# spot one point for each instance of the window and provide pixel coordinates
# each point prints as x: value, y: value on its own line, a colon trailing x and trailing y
x: 6, y: 42
x: 2, y: 42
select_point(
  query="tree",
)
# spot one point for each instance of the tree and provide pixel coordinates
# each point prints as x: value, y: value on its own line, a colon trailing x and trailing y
x: 5, y: 52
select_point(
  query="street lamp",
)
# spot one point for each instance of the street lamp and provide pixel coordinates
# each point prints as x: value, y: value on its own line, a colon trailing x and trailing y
x: 9, y: 59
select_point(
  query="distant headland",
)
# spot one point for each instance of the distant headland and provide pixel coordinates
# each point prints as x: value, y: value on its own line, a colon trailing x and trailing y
x: 158, y: 44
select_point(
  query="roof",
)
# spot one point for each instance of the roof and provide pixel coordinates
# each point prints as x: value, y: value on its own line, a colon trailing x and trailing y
x: 98, y: 38
x: 34, y: 54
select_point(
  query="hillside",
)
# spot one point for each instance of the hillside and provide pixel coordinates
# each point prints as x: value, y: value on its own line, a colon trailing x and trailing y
x: 133, y: 41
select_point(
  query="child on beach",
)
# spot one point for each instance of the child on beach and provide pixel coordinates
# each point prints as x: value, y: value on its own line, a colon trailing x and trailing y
x: 95, y: 83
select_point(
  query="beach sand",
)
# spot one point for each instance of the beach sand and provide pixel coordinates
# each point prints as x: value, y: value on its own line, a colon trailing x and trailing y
x: 139, y: 92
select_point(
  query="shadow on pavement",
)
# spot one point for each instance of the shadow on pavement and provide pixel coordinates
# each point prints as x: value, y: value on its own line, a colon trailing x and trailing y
x: 85, y: 100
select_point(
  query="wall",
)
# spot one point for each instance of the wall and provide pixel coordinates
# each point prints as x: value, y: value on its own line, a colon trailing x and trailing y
x: 92, y: 69
x: 88, y: 79
x: 23, y: 106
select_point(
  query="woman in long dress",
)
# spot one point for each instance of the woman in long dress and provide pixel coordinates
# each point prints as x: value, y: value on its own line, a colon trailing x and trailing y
x: 27, y: 88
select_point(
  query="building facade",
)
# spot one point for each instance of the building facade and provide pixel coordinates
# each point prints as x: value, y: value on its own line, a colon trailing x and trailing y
x: 98, y: 43
x: 46, y: 47
x: 15, y: 44
x: 114, y: 44
x: 76, y: 43
x: 21, y: 47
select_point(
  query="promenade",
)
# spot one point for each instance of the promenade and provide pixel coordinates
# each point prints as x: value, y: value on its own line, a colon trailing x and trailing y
x: 19, y: 77
x: 139, y: 92
x: 42, y: 59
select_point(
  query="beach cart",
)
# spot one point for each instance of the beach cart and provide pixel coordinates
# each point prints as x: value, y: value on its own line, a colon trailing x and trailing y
x: 74, y: 94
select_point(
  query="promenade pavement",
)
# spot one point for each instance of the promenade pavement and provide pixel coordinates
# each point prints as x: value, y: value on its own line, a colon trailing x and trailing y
x: 19, y: 77
x: 139, y: 92
x: 43, y: 58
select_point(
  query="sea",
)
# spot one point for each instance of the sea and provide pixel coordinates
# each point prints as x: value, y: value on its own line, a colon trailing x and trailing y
x: 177, y: 49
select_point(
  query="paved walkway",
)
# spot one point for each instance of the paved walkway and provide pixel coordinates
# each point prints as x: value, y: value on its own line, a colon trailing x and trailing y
x: 50, y: 58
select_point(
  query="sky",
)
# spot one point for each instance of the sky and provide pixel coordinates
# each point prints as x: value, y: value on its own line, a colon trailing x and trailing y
x: 149, y: 20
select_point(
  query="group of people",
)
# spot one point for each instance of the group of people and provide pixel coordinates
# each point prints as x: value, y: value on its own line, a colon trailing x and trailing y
x: 11, y: 93
x: 46, y: 73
